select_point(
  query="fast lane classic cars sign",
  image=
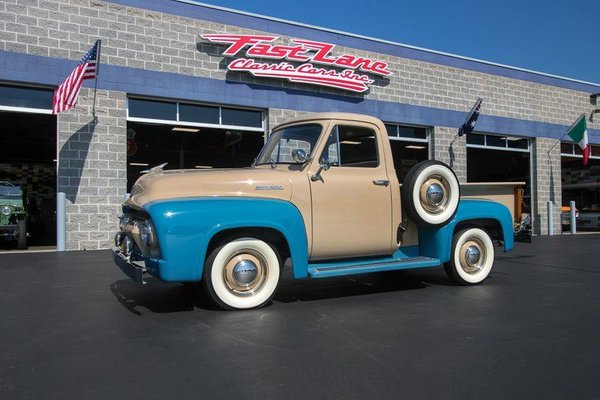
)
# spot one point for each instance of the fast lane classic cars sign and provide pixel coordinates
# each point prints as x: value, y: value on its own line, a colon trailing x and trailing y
x: 350, y: 73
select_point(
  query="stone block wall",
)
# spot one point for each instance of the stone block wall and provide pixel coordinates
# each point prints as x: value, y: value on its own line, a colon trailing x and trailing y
x: 546, y: 185
x: 279, y: 116
x: 451, y: 149
x: 92, y: 157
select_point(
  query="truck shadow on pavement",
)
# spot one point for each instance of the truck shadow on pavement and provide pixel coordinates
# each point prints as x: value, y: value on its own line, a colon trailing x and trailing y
x: 159, y: 297
x: 291, y: 290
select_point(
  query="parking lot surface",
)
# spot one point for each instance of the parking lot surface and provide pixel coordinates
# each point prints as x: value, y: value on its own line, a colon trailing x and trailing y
x: 73, y: 326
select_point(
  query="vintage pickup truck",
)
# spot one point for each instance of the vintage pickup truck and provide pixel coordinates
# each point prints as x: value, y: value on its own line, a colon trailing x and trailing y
x: 322, y: 193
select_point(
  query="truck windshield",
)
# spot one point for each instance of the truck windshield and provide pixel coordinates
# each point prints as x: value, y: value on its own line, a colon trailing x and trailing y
x: 281, y: 143
x: 7, y: 189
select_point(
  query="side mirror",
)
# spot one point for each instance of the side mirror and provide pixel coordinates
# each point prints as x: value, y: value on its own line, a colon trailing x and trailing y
x: 299, y: 156
x: 323, y: 165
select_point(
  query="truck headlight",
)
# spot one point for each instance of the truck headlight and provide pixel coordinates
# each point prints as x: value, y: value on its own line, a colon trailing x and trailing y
x: 5, y: 211
x: 146, y: 233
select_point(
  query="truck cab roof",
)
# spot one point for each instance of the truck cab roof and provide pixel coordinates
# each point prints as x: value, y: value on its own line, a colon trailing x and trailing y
x: 331, y: 116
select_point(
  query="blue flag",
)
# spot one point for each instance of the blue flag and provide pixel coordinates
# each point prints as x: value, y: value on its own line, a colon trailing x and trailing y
x: 471, y: 120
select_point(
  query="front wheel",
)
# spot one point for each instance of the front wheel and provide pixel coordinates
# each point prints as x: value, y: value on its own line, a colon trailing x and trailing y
x: 242, y: 274
x: 472, y: 257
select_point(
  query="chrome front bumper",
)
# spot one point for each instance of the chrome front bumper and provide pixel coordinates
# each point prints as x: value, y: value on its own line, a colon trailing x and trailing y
x: 133, y: 269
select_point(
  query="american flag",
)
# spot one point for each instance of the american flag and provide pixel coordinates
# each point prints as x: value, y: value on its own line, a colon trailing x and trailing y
x: 471, y: 120
x: 65, y: 96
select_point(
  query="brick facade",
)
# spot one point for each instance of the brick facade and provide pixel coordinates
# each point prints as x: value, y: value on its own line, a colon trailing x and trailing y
x: 92, y: 155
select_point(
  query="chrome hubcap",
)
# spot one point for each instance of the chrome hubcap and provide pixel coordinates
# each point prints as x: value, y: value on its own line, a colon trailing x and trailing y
x: 245, y: 273
x: 434, y: 194
x: 472, y: 256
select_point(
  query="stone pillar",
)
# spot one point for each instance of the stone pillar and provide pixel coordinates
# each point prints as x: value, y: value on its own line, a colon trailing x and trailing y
x: 546, y: 184
x: 92, y: 170
x: 449, y: 148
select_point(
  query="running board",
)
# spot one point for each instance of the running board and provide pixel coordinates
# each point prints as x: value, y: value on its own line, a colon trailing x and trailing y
x: 326, y: 270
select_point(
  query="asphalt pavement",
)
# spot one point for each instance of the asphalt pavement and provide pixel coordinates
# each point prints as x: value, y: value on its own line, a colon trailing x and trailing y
x: 74, y: 327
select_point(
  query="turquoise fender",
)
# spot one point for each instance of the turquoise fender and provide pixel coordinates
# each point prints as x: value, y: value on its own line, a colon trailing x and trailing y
x: 437, y: 241
x: 184, y: 228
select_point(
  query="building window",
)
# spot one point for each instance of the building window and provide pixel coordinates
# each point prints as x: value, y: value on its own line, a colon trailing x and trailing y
x: 239, y: 117
x: 198, y: 113
x: 498, y: 141
x: 500, y: 158
x: 190, y: 136
x: 411, y: 133
x: 22, y: 98
x: 152, y: 109
x: 573, y: 150
x: 190, y: 114
x: 409, y: 145
x: 497, y: 158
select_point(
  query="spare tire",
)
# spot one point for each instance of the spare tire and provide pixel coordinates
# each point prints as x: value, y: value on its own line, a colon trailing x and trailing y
x: 430, y: 193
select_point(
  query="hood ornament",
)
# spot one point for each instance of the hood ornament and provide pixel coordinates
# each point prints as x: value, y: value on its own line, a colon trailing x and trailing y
x: 152, y: 170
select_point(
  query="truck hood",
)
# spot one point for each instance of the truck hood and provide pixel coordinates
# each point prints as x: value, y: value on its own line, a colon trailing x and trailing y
x: 186, y: 183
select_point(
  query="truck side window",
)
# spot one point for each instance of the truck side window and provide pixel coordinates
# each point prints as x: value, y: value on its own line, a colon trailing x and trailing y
x: 352, y: 146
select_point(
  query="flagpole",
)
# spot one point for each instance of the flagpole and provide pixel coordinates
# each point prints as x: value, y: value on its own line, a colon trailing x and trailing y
x: 96, y: 78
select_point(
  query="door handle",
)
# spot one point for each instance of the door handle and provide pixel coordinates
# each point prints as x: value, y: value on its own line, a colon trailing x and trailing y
x: 381, y: 182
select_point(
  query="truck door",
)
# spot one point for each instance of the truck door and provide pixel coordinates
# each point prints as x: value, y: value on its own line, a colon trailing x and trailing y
x: 351, y: 201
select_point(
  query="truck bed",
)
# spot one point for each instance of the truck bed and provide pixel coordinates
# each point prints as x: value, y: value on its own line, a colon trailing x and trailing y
x: 505, y: 193
x: 502, y: 192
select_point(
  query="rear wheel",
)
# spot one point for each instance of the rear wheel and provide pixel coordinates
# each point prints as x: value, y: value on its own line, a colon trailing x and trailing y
x: 22, y: 243
x: 242, y: 273
x: 472, y: 257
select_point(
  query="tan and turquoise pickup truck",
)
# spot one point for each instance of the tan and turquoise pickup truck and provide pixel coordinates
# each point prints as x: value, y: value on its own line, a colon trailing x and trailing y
x: 324, y: 194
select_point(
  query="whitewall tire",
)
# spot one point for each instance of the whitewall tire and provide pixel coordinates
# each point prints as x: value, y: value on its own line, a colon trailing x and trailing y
x: 472, y: 257
x: 430, y: 193
x: 241, y: 274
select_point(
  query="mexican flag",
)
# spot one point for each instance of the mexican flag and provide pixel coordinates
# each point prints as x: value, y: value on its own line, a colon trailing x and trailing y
x: 578, y: 132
